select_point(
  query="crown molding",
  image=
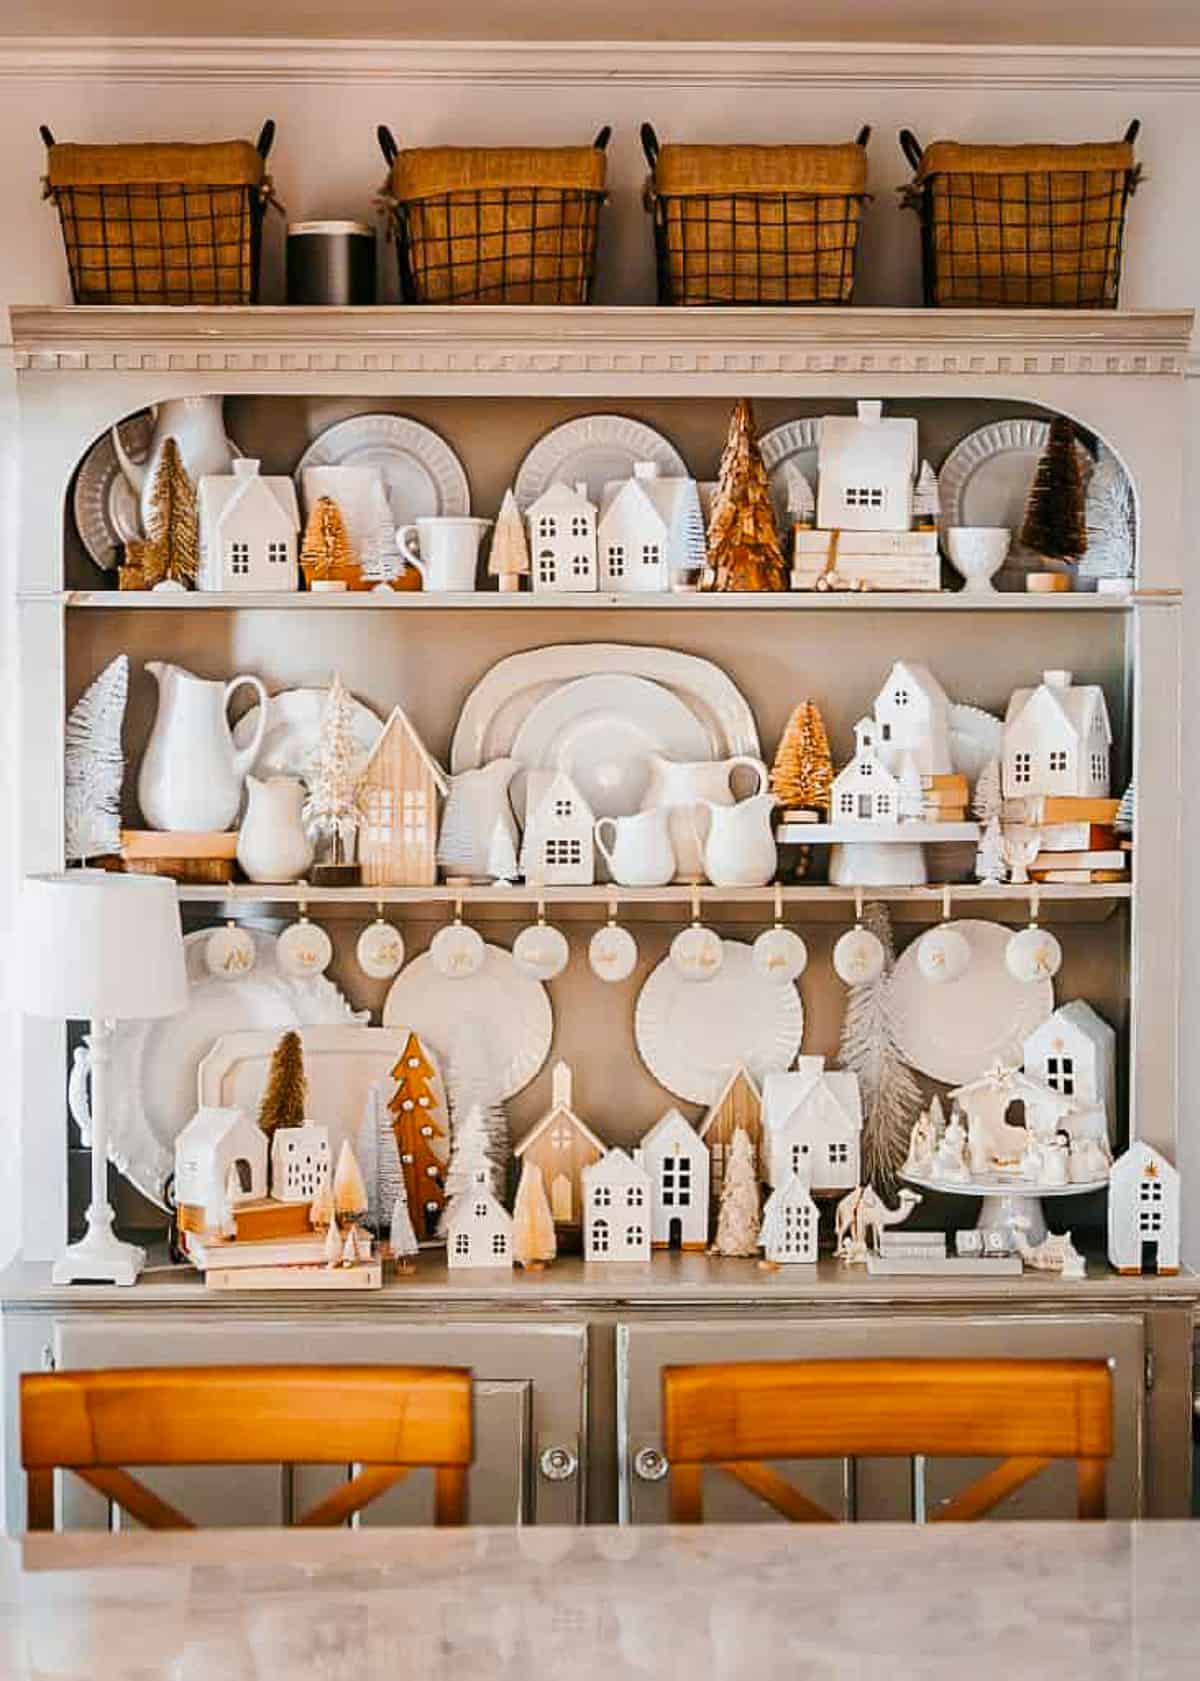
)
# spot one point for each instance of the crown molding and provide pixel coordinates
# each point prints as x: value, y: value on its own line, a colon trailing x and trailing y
x: 734, y: 64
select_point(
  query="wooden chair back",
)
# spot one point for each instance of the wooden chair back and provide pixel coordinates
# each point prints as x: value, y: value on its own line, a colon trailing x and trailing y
x: 386, y: 1419
x: 1027, y: 1413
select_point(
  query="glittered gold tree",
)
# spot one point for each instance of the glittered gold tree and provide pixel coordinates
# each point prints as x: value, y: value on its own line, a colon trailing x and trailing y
x: 171, y: 547
x: 1055, y: 523
x: 744, y: 551
x: 283, y: 1102
x: 802, y: 775
x: 326, y: 552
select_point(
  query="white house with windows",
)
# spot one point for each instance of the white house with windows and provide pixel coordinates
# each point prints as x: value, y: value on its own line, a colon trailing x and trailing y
x: 479, y: 1228
x: 557, y: 849
x: 1057, y: 740
x: 616, y: 1209
x: 301, y: 1161
x: 865, y: 791
x: 790, y: 1223
x: 1143, y: 1212
x: 249, y: 530
x: 676, y: 1158
x: 812, y: 1119
x: 1074, y: 1052
x: 642, y: 529
x: 562, y: 539
x: 866, y: 466
x: 912, y: 712
x: 220, y: 1161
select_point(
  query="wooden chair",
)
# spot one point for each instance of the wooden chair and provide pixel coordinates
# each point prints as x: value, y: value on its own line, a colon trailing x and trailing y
x: 1025, y: 1412
x: 385, y: 1419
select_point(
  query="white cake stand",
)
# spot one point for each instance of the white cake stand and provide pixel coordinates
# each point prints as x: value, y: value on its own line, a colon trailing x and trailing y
x: 876, y: 854
x: 1006, y: 1199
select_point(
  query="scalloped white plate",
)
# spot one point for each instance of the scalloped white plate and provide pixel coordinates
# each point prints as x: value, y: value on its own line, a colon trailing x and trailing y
x: 975, y: 737
x: 986, y: 477
x: 794, y: 445
x: 593, y: 449
x: 421, y: 473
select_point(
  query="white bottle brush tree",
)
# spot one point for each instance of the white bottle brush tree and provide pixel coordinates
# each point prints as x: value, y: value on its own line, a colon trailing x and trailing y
x: 401, y: 1236
x: 739, y: 1212
x: 469, y: 1158
x: 891, y: 1097
x: 472, y: 1083
x: 333, y: 806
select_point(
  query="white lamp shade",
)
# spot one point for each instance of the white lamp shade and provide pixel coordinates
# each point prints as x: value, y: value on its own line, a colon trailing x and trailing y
x: 95, y: 946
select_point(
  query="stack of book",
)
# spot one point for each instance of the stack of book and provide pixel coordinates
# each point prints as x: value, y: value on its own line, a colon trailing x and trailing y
x: 274, y: 1248
x: 1078, y: 842
x: 878, y: 560
x: 946, y: 798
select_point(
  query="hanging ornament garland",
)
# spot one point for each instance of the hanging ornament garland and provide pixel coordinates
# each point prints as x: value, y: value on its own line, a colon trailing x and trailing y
x: 779, y: 953
x: 696, y: 952
x: 229, y: 952
x: 457, y: 951
x: 541, y: 952
x: 859, y: 955
x: 943, y: 955
x: 1033, y: 954
x: 304, y: 949
x: 380, y: 949
x: 612, y: 950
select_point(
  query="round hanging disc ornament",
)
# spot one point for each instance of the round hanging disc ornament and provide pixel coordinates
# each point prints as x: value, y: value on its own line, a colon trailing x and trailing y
x: 612, y: 953
x: 697, y: 953
x: 380, y: 950
x: 943, y: 954
x: 858, y: 957
x: 457, y: 951
x: 229, y: 952
x: 304, y: 949
x: 541, y: 952
x: 779, y: 953
x: 1033, y: 955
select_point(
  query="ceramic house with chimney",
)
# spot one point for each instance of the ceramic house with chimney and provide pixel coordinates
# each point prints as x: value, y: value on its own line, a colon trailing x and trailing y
x: 249, y: 530
x: 300, y: 1161
x: 562, y: 1146
x: 1074, y: 1052
x: 616, y: 1218
x: 912, y: 712
x: 479, y: 1229
x: 562, y: 539
x: 865, y: 791
x: 737, y: 1104
x: 676, y: 1159
x: 790, y: 1223
x: 642, y: 529
x: 813, y: 1118
x: 220, y: 1159
x: 1143, y: 1212
x: 1057, y: 740
x: 1002, y: 1111
x: 397, y: 838
x: 865, y: 467
x: 557, y: 849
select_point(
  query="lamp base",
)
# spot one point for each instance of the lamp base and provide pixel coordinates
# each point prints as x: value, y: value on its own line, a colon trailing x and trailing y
x: 99, y: 1258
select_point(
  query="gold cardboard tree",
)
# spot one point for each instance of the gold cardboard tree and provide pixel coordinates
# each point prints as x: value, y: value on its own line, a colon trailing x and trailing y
x: 744, y: 551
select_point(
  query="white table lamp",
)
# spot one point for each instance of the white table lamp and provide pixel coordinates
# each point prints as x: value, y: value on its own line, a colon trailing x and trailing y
x: 104, y: 948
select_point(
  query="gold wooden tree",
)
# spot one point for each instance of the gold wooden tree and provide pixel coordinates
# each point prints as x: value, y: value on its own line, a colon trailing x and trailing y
x: 413, y: 1106
x: 326, y: 553
x: 283, y: 1102
x: 744, y: 552
x: 171, y: 548
x: 802, y: 775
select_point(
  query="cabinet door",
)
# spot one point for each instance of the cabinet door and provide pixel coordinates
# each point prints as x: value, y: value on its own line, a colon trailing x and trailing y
x: 529, y: 1410
x: 877, y: 1489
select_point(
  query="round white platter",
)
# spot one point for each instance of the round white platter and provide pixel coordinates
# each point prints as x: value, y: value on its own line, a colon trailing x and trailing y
x: 985, y: 480
x: 421, y: 473
x: 794, y: 446
x: 499, y: 703
x: 156, y: 1064
x: 593, y: 450
x: 956, y: 1032
x: 514, y: 1012
x: 691, y: 1034
x: 292, y: 740
x: 603, y: 731
x: 975, y: 737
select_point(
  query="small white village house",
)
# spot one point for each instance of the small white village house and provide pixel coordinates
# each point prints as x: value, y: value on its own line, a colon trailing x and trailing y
x: 300, y: 1161
x: 865, y: 791
x: 562, y: 539
x: 865, y: 471
x: 912, y: 711
x: 616, y: 1220
x: 1074, y: 1052
x: 557, y: 849
x: 813, y: 1123
x: 791, y: 1222
x: 561, y: 1145
x: 641, y: 530
x: 220, y: 1158
x: 249, y: 530
x: 1143, y: 1212
x: 479, y: 1229
x: 1057, y: 740
x: 676, y: 1158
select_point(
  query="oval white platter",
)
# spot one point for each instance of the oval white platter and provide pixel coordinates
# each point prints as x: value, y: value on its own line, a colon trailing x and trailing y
x: 956, y: 1032
x: 504, y: 696
x: 292, y: 740
x: 156, y: 1064
x: 593, y: 450
x: 793, y: 445
x: 421, y: 473
x: 512, y: 1012
x: 985, y: 480
x: 691, y: 1035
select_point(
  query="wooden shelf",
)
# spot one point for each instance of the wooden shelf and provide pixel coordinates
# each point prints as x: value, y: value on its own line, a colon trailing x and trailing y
x: 401, y: 601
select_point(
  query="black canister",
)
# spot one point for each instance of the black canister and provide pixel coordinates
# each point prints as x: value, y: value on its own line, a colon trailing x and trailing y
x: 330, y: 263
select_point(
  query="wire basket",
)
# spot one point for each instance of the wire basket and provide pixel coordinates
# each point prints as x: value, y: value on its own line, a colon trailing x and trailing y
x: 1021, y: 227
x: 495, y: 225
x: 755, y: 224
x: 161, y: 224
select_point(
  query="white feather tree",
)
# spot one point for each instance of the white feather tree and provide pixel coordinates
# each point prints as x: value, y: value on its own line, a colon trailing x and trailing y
x: 333, y: 806
x: 693, y: 535
x: 1111, y: 519
x: 986, y: 802
x: 95, y: 765
x: 389, y: 1174
x: 891, y: 1097
x: 401, y: 1236
x: 738, y: 1214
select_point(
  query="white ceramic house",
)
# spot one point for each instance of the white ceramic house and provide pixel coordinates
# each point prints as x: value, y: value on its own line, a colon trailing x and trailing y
x: 479, y: 1231
x: 249, y: 530
x: 912, y: 711
x: 865, y: 791
x: 1143, y: 1212
x: 219, y: 1149
x: 812, y: 1119
x: 1074, y: 1052
x: 301, y: 1161
x: 790, y: 1223
x: 1002, y: 1110
x: 1057, y: 739
x: 617, y: 1206
x: 557, y: 849
x: 562, y: 539
x: 676, y: 1158
x: 642, y: 534
x: 865, y: 468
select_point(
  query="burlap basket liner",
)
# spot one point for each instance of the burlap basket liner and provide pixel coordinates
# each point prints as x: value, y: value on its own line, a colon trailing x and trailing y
x: 1026, y: 224
x: 164, y: 223
x: 500, y: 223
x: 769, y: 224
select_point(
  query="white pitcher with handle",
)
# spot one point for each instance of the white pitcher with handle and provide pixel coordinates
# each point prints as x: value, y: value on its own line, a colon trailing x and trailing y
x: 739, y: 847
x: 198, y: 428
x: 192, y: 775
x: 682, y: 786
x: 639, y: 853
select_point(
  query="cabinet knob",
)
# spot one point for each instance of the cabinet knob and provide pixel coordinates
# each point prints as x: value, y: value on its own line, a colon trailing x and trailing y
x: 650, y: 1465
x: 558, y: 1464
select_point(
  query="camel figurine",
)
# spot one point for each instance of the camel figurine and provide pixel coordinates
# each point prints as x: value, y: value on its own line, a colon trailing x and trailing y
x: 861, y: 1215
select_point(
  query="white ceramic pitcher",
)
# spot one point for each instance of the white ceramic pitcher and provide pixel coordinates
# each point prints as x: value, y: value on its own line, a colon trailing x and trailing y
x: 640, y: 853
x: 447, y: 554
x: 191, y: 776
x: 681, y: 787
x: 198, y: 427
x: 272, y: 842
x: 477, y: 801
x: 739, y: 848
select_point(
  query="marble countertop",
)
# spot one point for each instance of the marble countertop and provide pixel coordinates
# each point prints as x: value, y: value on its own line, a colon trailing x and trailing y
x: 990, y: 1601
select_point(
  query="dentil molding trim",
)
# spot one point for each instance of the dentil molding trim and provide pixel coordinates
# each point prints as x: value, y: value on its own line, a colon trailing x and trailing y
x: 595, y: 63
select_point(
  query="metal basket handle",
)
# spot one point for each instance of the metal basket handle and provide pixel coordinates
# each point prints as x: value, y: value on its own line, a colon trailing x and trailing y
x: 1134, y: 129
x: 911, y: 147
x: 649, y: 144
x: 387, y: 144
x: 47, y: 137
x: 266, y: 139
x: 863, y: 135
x: 600, y: 143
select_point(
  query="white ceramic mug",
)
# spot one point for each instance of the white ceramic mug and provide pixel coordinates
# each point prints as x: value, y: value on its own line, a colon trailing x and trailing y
x: 447, y: 553
x: 640, y: 853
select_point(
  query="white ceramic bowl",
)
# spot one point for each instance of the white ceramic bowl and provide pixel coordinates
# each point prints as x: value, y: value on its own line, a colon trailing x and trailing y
x: 977, y: 552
